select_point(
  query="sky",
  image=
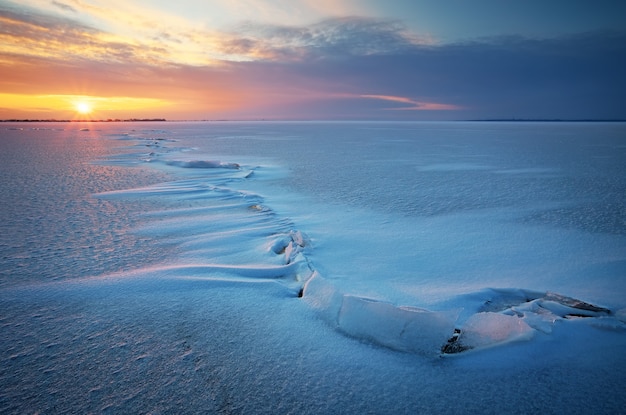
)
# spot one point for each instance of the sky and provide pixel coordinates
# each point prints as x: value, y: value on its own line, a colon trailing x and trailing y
x: 313, y: 59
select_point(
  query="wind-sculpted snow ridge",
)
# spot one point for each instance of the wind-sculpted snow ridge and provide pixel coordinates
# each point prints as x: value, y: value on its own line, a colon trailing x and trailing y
x: 231, y: 229
x: 223, y: 233
x: 149, y: 147
x: 227, y: 234
x: 202, y: 164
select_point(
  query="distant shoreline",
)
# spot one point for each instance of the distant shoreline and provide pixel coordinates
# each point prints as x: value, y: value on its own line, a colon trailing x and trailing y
x: 107, y: 120
x: 547, y: 120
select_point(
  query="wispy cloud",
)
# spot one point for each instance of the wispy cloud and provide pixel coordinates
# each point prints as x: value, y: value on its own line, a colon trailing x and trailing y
x: 347, y: 36
x: 64, y: 6
x: 27, y: 33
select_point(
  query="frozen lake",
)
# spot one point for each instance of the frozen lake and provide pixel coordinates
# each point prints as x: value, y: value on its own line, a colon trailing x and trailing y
x: 267, y: 267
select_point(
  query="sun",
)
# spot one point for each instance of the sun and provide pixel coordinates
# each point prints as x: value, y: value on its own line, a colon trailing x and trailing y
x: 83, y: 107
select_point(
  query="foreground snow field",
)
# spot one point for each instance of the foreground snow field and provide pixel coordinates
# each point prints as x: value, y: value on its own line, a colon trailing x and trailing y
x: 314, y: 268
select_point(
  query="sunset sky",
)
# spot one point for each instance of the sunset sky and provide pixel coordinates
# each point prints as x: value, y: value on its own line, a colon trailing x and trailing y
x: 313, y: 59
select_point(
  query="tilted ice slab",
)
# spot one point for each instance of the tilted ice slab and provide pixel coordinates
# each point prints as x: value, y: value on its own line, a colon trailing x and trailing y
x: 403, y: 328
x: 508, y: 315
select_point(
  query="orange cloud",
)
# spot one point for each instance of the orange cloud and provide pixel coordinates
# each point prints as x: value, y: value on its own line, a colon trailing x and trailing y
x: 413, y: 104
x: 165, y: 71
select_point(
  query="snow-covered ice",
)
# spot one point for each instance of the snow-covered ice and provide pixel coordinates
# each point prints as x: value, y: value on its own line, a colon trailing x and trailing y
x: 314, y: 268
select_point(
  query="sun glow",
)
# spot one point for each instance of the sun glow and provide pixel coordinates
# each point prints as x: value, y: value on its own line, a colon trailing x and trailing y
x: 63, y: 107
x: 83, y: 107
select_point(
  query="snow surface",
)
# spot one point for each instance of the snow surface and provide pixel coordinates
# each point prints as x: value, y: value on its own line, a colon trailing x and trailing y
x: 316, y: 268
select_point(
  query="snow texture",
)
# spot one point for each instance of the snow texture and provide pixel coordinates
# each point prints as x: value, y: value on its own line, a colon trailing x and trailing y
x: 313, y: 268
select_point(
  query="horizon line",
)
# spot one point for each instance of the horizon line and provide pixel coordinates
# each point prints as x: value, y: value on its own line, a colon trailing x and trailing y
x: 35, y: 120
